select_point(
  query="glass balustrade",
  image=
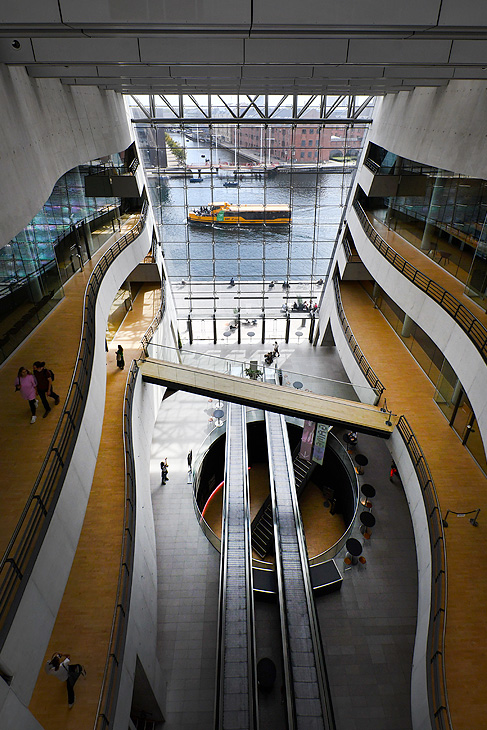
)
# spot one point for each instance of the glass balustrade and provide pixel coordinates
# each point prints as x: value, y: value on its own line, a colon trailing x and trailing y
x: 256, y: 370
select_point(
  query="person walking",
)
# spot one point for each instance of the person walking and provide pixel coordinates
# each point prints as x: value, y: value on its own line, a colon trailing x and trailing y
x: 164, y: 471
x: 59, y: 666
x: 190, y: 459
x: 120, y: 358
x: 26, y: 383
x: 276, y: 349
x: 44, y: 378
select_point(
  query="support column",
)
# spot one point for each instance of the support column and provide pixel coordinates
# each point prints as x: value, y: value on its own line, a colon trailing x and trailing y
x: 432, y: 216
x: 407, y: 326
x: 88, y: 239
x: 457, y: 390
x: 311, y: 328
x: 396, y: 172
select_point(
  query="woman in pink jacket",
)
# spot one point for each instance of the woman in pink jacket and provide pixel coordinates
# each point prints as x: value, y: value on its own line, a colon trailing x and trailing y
x: 27, y: 384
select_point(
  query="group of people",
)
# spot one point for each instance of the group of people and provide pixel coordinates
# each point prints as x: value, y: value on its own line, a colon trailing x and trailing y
x: 270, y: 356
x: 304, y: 307
x: 38, y: 384
x: 34, y: 385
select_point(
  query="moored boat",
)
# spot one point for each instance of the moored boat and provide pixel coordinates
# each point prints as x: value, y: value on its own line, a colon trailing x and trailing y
x: 233, y: 214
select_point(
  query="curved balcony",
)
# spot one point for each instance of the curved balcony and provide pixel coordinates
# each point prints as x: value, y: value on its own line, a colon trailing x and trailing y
x: 50, y: 509
x: 475, y: 331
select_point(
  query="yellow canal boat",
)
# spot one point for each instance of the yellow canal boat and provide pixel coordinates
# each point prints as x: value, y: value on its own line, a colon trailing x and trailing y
x: 249, y: 215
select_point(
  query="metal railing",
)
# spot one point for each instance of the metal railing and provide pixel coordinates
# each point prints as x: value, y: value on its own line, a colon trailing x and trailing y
x: 107, y: 701
x: 145, y: 341
x: 359, y: 356
x: 371, y: 165
x: 474, y: 330
x: 435, y: 654
x: 334, y: 444
x: 112, y: 672
x: 24, y: 545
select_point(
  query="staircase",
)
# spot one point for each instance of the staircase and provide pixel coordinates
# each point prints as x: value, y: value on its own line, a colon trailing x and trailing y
x: 262, y: 524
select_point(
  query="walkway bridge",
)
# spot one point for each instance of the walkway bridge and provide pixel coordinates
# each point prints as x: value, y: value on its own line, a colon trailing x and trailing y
x: 291, y: 400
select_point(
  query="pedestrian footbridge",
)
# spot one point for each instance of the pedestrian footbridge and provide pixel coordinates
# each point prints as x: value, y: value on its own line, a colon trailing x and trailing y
x: 290, y: 400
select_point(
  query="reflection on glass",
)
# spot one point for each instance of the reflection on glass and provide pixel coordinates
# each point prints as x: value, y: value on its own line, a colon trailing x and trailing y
x: 439, y: 212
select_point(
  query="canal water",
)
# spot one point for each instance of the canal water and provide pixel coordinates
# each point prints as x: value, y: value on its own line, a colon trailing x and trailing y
x: 297, y: 253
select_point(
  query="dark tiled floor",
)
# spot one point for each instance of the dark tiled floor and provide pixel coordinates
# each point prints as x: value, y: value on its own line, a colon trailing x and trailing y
x: 367, y: 628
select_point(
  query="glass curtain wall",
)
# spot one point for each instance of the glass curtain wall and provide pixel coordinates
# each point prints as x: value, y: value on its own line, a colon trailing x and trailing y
x: 244, y: 272
x: 36, y: 263
x: 453, y: 402
x: 441, y: 213
x: 449, y: 394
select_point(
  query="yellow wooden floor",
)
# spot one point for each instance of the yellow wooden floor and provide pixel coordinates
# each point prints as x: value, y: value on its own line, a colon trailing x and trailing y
x: 460, y: 484
x: 23, y: 446
x: 83, y: 624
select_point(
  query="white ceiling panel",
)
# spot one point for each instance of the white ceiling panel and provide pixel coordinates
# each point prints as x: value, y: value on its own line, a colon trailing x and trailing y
x: 414, y: 81
x: 89, y: 50
x: 467, y: 12
x: 211, y: 72
x: 19, y: 12
x: 470, y: 72
x: 474, y: 52
x: 126, y: 71
x: 399, y: 51
x: 160, y: 13
x: 350, y: 14
x: 293, y: 46
x: 347, y: 70
x: 419, y: 72
x: 276, y: 72
x: 295, y: 51
x: 191, y: 50
x: 22, y: 55
x: 102, y: 81
x: 47, y: 71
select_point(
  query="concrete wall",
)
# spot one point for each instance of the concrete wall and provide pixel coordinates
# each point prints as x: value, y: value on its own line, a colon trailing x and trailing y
x: 419, y: 686
x: 142, y: 626
x: 141, y: 641
x: 47, y: 129
x: 26, y: 644
x: 443, y: 127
